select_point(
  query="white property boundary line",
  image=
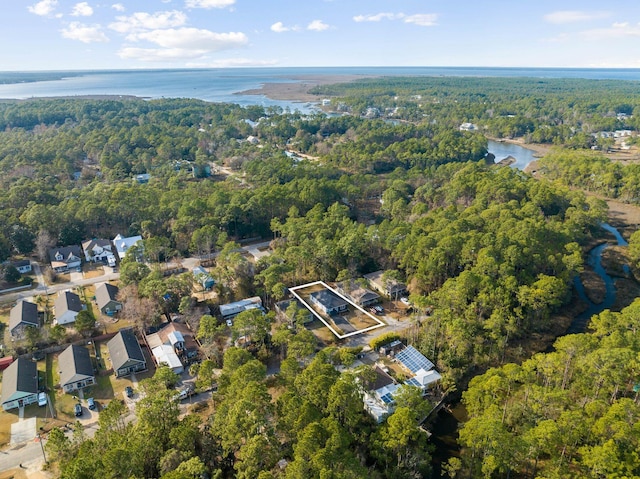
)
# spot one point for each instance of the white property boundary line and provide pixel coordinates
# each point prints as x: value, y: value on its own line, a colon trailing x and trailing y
x: 338, y: 335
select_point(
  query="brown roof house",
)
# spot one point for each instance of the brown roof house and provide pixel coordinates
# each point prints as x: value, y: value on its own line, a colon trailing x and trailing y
x: 19, y: 384
x: 76, y: 369
x: 22, y: 316
x: 390, y: 288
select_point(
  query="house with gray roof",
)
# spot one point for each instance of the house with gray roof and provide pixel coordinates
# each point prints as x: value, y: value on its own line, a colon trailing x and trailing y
x: 22, y: 316
x: 67, y: 306
x: 65, y: 258
x: 106, y: 295
x: 123, y: 244
x: 126, y: 354
x: 76, y: 369
x: 328, y: 302
x: 19, y: 384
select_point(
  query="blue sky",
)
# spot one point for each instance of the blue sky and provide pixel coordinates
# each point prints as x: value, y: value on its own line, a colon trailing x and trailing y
x: 62, y: 34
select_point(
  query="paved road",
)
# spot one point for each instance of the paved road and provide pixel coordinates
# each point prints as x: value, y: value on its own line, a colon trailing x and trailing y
x: 28, y: 454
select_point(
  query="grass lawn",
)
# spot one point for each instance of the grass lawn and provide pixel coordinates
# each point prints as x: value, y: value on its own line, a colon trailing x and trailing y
x: 61, y: 402
x: 93, y: 270
x: 113, y: 325
x: 102, y: 390
x: 7, y: 418
x: 321, y: 331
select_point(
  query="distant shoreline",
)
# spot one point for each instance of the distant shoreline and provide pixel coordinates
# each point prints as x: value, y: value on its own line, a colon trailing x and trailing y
x: 299, y: 91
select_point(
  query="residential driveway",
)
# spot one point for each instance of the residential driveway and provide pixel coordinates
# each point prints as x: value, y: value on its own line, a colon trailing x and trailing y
x: 75, y: 276
x: 23, y: 431
x: 88, y: 416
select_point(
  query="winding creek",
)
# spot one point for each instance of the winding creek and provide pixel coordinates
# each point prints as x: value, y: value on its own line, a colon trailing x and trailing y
x: 445, y: 426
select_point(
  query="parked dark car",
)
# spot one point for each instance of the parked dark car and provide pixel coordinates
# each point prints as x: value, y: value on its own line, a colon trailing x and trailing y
x: 77, y: 410
x: 128, y: 391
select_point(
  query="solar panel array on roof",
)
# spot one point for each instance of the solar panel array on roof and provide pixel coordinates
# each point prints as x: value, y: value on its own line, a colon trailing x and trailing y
x: 413, y: 382
x: 413, y: 359
x: 387, y: 398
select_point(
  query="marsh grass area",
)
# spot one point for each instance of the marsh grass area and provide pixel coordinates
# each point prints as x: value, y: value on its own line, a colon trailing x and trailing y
x: 594, y: 286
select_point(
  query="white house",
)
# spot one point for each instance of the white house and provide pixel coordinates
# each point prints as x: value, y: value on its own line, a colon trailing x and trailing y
x: 231, y: 310
x: 67, y: 306
x: 98, y: 250
x: 165, y: 354
x: 123, y: 244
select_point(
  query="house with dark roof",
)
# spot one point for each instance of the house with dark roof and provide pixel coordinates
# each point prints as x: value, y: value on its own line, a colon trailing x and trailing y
x: 23, y: 315
x: 328, y: 302
x: 126, y: 354
x: 106, y: 295
x: 23, y: 266
x: 76, y: 369
x: 19, y: 384
x: 67, y: 306
x: 65, y: 258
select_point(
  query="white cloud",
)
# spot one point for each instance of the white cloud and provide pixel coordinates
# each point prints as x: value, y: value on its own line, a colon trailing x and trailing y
x: 118, y: 7
x: 232, y: 62
x: 377, y: 17
x: 280, y: 27
x: 158, y: 54
x: 617, y: 30
x: 194, y: 39
x: 141, y: 21
x: 572, y: 16
x: 209, y: 3
x: 43, y: 8
x: 84, y: 33
x: 422, y: 19
x: 82, y: 9
x: 317, y: 26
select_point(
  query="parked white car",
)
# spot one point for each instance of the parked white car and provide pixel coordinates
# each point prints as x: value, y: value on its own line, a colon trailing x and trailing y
x: 405, y: 300
x: 42, y: 399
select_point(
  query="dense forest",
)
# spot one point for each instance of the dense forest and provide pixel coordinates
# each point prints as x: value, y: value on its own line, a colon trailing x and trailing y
x: 489, y: 251
x: 572, y: 412
x: 542, y: 110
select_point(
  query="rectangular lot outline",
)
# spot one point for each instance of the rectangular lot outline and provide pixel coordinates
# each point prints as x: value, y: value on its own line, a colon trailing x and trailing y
x: 325, y: 322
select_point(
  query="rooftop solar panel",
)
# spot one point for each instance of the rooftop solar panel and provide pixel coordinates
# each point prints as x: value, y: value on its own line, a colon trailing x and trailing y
x: 413, y: 382
x: 414, y: 360
x: 387, y: 398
